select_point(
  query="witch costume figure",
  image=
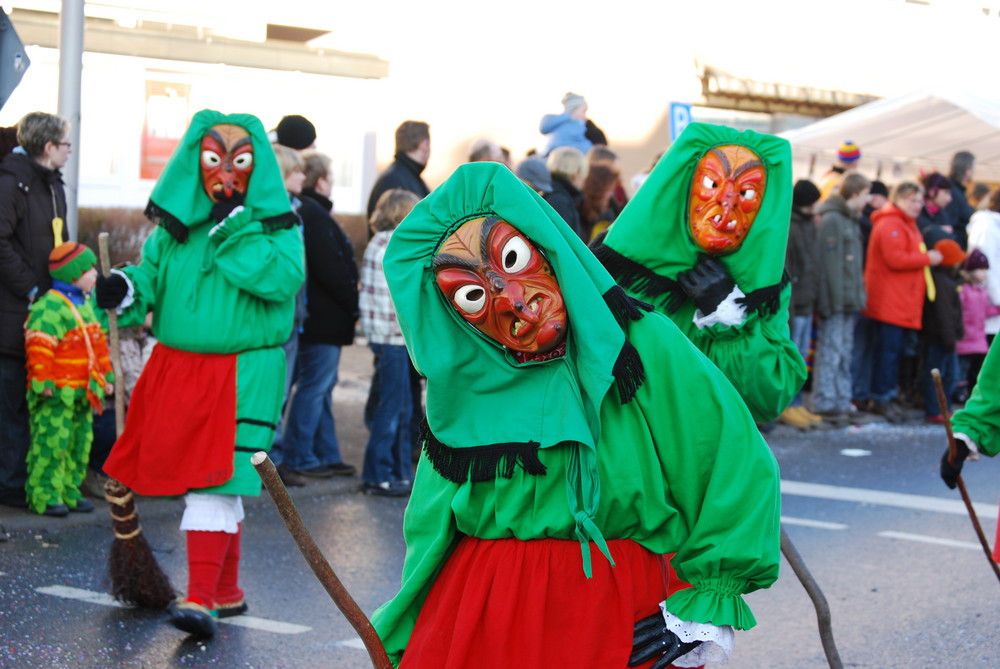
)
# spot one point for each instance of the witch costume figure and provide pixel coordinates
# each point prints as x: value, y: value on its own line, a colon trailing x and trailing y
x: 704, y: 241
x: 219, y: 273
x: 573, y: 439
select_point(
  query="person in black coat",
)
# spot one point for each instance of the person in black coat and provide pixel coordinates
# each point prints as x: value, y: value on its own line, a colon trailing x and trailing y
x: 568, y: 167
x: 959, y: 211
x: 32, y: 212
x: 413, y: 149
x: 310, y: 446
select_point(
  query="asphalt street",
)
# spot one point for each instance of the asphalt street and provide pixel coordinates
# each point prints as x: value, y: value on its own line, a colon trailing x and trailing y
x: 892, y: 549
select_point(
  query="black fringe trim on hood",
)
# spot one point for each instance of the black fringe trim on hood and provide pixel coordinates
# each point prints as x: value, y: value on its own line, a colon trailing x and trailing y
x: 480, y: 463
x: 766, y: 300
x: 624, y: 307
x: 160, y: 216
x: 279, y: 222
x: 633, y: 276
x: 179, y: 231
x: 629, y: 372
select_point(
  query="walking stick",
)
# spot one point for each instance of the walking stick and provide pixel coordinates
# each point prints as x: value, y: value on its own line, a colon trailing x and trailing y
x: 818, y: 599
x: 319, y: 564
x: 952, y: 454
x: 136, y: 576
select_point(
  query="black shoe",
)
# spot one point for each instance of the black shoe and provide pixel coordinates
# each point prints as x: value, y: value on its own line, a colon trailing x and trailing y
x: 343, y: 469
x: 191, y: 618
x: 321, y: 472
x: 82, y: 506
x: 384, y: 489
x: 290, y: 478
x: 56, y: 510
x: 231, y: 610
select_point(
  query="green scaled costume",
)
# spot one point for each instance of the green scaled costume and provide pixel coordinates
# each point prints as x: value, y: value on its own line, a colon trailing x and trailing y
x: 68, y: 357
x: 232, y: 293
x: 669, y: 459
x: 650, y: 243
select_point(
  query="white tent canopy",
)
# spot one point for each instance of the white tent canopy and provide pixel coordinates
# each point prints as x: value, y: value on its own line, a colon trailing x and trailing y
x: 901, y: 137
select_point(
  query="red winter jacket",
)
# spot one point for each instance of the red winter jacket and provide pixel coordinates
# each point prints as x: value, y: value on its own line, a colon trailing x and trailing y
x: 894, y: 270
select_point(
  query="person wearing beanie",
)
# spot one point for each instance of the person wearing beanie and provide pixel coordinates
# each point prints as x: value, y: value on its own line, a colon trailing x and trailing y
x: 937, y: 196
x: 801, y: 265
x: 32, y: 210
x: 848, y: 155
x: 568, y: 128
x: 69, y: 374
x: 942, y: 321
x: 976, y: 308
x: 296, y: 132
x: 841, y: 297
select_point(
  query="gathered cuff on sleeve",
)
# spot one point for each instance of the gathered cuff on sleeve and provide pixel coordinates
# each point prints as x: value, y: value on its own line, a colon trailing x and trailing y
x: 719, y: 603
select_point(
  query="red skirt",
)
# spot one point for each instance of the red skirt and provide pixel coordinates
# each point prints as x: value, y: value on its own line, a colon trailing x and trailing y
x: 527, y: 604
x: 180, y: 432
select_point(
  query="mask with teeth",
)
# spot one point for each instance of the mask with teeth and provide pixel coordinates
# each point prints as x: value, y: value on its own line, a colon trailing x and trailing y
x: 498, y: 281
x: 726, y: 194
x: 226, y: 161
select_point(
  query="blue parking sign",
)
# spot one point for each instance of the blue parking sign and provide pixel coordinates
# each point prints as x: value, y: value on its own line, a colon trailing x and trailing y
x: 680, y: 116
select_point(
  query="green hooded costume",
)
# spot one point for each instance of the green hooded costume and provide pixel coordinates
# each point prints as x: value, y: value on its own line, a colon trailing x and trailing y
x: 669, y: 459
x: 650, y: 243
x: 232, y: 293
x: 980, y: 418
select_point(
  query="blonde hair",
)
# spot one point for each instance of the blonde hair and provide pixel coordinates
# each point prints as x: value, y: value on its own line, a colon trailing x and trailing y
x: 288, y: 160
x: 391, y: 208
x: 567, y: 161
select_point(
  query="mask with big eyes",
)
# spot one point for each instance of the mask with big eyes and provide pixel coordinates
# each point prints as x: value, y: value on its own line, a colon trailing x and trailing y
x: 226, y: 161
x: 499, y: 282
x: 726, y: 194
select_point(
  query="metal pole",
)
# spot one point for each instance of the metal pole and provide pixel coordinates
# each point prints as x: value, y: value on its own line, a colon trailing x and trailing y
x: 70, y: 73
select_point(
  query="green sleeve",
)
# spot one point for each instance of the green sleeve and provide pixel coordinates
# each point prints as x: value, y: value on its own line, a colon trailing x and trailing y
x: 270, y: 266
x: 980, y: 419
x: 144, y: 278
x: 429, y: 531
x: 757, y: 356
x: 722, y: 480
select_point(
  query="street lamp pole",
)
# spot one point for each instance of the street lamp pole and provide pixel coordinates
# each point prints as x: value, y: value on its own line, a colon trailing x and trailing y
x: 70, y: 73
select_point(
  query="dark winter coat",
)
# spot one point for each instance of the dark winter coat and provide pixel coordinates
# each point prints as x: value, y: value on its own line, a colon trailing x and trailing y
x: 942, y: 322
x: 840, y: 259
x: 403, y: 173
x: 958, y: 212
x: 331, y: 275
x: 802, y: 265
x: 26, y: 239
x: 565, y: 198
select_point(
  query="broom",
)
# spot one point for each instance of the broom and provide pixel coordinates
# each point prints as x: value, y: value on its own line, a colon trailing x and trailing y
x: 136, y: 576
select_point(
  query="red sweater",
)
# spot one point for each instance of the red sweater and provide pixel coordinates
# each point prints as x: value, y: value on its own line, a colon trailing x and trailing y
x: 894, y: 271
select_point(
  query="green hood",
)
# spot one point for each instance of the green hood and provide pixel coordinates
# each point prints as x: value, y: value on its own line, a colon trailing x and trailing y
x: 179, y: 201
x: 477, y: 394
x: 652, y: 231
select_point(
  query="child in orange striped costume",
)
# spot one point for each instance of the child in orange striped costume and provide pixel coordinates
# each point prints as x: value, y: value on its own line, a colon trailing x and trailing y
x: 68, y: 376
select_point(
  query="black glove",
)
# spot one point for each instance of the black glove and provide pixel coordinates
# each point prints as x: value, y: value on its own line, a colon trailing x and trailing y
x: 707, y: 283
x: 110, y: 290
x: 225, y: 206
x: 951, y: 471
x: 651, y: 638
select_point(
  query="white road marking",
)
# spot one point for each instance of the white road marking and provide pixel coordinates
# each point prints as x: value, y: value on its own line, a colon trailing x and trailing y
x: 355, y: 643
x: 951, y: 543
x: 882, y: 498
x: 855, y: 452
x: 105, y: 599
x: 819, y: 524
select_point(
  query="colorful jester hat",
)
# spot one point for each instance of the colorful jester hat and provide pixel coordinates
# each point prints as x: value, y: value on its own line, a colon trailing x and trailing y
x: 652, y: 241
x: 179, y: 201
x: 478, y: 394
